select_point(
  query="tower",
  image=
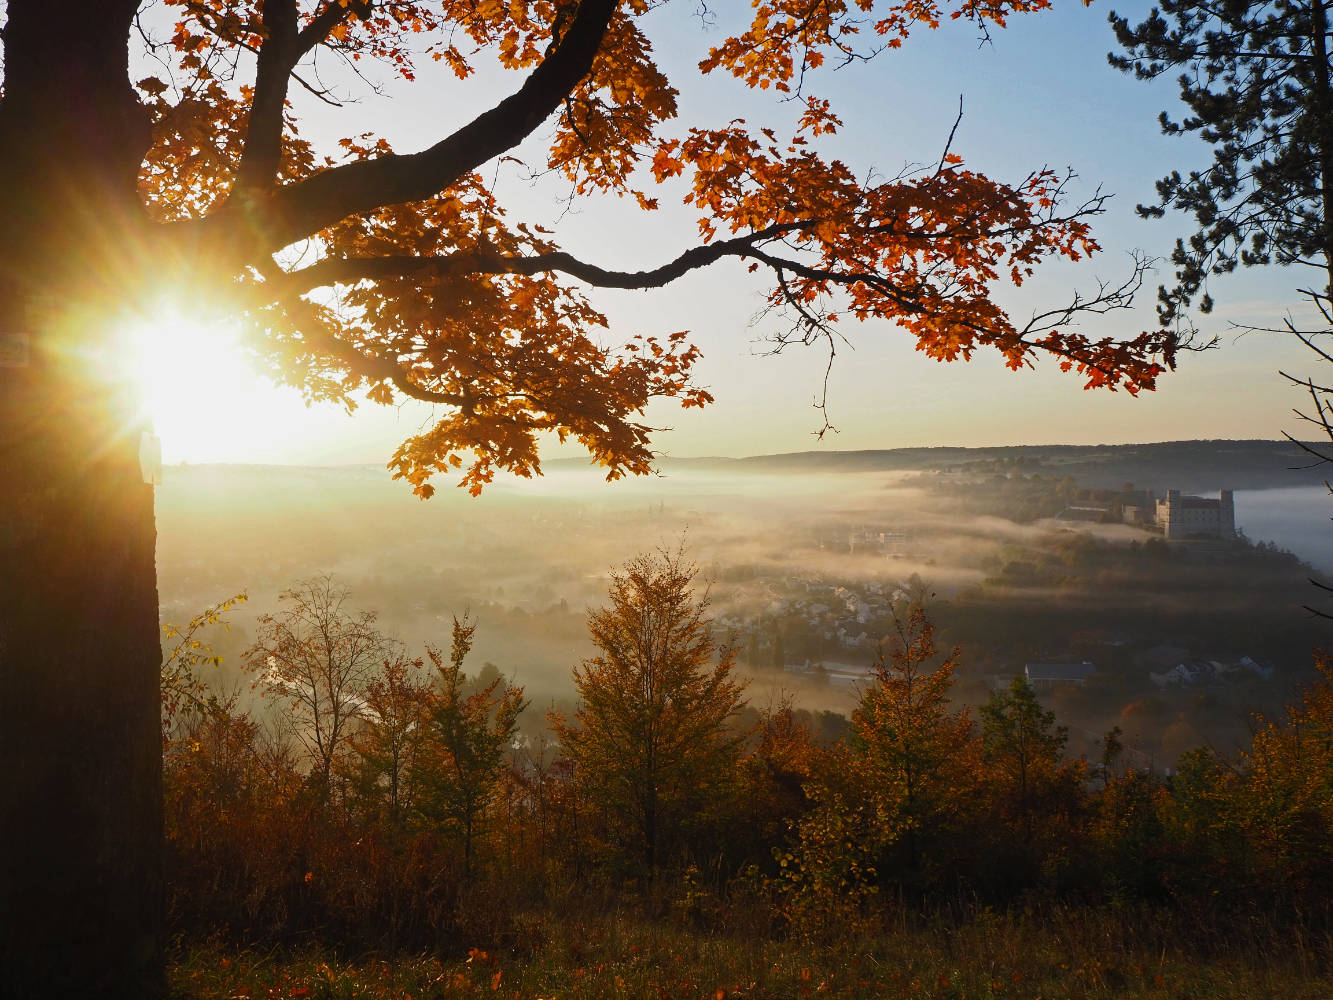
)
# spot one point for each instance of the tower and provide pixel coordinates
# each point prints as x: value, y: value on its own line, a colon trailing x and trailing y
x: 1226, y: 515
x: 1168, y: 514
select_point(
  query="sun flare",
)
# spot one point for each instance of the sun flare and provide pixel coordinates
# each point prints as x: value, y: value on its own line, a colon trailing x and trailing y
x: 205, y: 399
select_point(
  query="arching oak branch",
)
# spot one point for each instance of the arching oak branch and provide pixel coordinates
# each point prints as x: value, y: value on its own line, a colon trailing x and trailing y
x: 343, y: 270
x: 304, y: 208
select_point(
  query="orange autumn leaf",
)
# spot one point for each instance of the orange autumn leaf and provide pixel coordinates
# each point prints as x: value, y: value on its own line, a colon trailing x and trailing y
x: 420, y: 285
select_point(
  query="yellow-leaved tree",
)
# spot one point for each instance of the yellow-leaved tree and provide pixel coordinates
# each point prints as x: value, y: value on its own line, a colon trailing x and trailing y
x: 919, y: 754
x: 649, y: 739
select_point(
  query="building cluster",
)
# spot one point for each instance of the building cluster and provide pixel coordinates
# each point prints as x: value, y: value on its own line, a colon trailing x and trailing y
x: 1181, y: 515
x: 1178, y: 515
x: 1045, y: 676
x: 802, y: 622
x: 1195, y: 673
x: 865, y: 540
x: 1185, y: 673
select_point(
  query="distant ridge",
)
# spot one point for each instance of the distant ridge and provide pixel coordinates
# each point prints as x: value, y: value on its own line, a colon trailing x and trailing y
x: 1193, y: 466
x: 1186, y: 465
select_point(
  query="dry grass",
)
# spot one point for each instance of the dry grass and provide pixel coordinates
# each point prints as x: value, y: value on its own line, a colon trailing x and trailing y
x: 1060, y: 953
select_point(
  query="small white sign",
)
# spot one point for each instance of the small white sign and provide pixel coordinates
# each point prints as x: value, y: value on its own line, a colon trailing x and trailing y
x: 150, y: 458
x: 13, y: 350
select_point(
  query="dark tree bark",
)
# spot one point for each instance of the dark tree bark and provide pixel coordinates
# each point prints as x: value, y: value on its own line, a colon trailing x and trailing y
x: 80, y: 743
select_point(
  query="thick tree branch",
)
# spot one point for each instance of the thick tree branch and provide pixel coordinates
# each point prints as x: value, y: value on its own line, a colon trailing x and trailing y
x: 347, y: 270
x: 275, y: 60
x: 325, y: 21
x: 301, y: 209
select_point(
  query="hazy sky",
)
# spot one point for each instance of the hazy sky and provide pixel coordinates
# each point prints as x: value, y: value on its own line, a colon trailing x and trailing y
x: 1041, y: 94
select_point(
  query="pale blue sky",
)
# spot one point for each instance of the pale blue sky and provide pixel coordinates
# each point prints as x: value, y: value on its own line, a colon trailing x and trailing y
x: 1040, y: 94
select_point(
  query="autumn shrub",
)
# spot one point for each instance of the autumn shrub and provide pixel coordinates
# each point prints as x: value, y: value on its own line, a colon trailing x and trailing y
x: 827, y: 876
x: 238, y: 827
x: 257, y: 852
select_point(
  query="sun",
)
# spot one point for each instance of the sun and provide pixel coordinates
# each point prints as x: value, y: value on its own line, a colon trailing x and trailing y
x: 200, y: 388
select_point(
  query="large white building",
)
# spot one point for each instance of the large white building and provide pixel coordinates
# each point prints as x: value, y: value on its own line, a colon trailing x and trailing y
x: 1181, y: 516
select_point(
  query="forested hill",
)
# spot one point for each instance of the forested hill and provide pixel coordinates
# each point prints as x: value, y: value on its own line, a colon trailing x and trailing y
x: 1186, y: 465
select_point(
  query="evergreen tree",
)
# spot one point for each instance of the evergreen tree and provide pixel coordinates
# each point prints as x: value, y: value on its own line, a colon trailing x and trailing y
x: 1255, y: 77
x: 1024, y: 747
x: 468, y: 737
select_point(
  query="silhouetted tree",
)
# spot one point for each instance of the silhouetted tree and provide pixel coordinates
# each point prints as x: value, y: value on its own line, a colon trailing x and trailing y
x: 1024, y: 748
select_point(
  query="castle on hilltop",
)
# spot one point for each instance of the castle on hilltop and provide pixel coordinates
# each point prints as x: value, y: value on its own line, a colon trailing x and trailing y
x: 1181, y: 516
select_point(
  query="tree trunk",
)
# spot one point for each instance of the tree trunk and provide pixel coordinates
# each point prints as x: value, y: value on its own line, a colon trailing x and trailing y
x: 650, y: 831
x: 80, y: 740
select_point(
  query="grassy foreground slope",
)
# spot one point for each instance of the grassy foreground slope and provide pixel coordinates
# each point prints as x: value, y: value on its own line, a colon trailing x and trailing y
x: 1128, y: 954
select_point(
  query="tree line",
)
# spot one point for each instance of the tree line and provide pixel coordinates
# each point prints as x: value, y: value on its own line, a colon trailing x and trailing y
x: 389, y: 801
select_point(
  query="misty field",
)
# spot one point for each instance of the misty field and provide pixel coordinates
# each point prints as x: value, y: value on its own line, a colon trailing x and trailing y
x: 803, y: 567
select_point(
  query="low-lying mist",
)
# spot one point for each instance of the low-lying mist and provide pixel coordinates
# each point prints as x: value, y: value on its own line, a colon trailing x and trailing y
x: 540, y: 552
x: 804, y: 572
